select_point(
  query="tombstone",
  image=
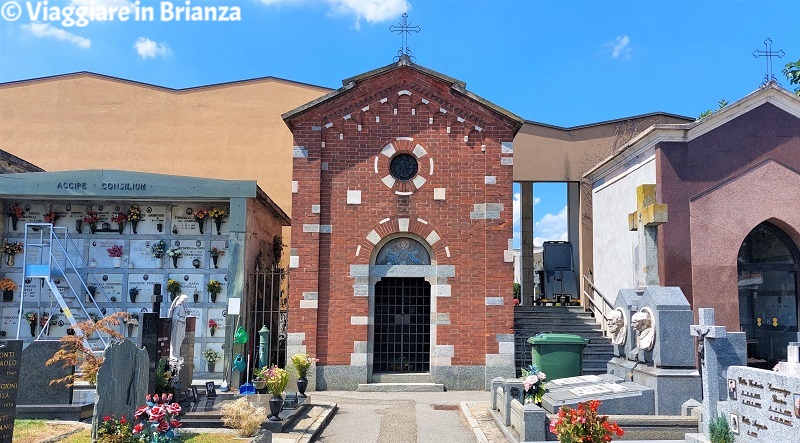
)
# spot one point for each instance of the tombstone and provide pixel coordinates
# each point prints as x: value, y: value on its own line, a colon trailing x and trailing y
x: 628, y: 301
x: 186, y: 371
x: 10, y: 359
x: 121, y: 381
x: 35, y: 376
x: 155, y: 340
x: 624, y: 398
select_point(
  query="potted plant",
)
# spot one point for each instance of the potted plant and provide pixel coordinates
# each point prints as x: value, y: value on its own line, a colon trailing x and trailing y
x: 8, y: 286
x: 174, y: 288
x: 212, y: 326
x: 31, y: 318
x: 215, y: 254
x: 302, y: 362
x: 277, y: 379
x: 211, y: 356
x: 119, y: 218
x: 115, y: 252
x: 91, y: 219
x: 134, y: 215
x: 51, y: 217
x: 158, y: 250
x: 15, y: 212
x: 259, y: 379
x: 11, y: 249
x: 214, y: 287
x: 584, y: 424
x: 133, y: 293
x: 132, y: 320
x: 175, y: 252
x: 200, y: 217
x: 217, y: 215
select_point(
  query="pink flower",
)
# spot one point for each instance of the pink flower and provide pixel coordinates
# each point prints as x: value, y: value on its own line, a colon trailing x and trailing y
x: 541, y: 376
x: 139, y: 412
x: 155, y: 398
x: 163, y: 426
x: 173, y: 408
x: 175, y: 424
x: 157, y: 413
x: 148, y: 397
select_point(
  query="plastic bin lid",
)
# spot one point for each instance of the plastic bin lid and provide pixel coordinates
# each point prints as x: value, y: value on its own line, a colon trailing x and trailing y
x: 557, y: 339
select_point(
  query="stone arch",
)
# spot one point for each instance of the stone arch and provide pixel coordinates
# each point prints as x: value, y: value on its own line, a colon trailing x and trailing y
x: 391, y: 228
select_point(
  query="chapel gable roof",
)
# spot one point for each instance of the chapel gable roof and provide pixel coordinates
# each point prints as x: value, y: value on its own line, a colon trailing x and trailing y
x: 404, y: 62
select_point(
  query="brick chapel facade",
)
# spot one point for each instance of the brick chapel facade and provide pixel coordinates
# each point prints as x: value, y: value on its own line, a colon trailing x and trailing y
x: 400, y: 264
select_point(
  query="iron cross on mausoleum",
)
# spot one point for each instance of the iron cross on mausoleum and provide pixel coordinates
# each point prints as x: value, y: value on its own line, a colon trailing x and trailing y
x: 769, y: 54
x: 404, y: 29
x: 648, y: 215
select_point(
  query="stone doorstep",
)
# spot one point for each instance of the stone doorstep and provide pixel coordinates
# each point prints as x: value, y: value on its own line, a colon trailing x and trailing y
x: 400, y: 387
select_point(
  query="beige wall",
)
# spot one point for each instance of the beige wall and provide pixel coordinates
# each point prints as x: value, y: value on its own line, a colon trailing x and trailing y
x: 87, y: 121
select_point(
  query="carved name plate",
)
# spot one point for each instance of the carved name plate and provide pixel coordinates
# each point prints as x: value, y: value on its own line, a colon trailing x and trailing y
x: 197, y: 312
x: 145, y: 284
x: 192, y: 249
x: 152, y: 216
x: 10, y: 360
x: 184, y: 222
x: 8, y: 322
x: 190, y: 283
x: 218, y: 315
x: 140, y: 255
x: 69, y: 215
x: 111, y: 284
x: 577, y: 380
x: 606, y: 388
x: 98, y: 250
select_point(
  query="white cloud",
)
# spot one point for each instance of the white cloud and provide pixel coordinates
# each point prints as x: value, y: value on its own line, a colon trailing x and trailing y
x: 551, y: 227
x: 373, y: 11
x: 43, y: 30
x: 150, y: 49
x: 517, y: 213
x: 620, y: 47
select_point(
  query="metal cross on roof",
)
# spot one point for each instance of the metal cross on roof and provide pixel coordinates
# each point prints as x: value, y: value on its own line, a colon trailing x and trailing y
x: 769, y: 54
x: 404, y: 29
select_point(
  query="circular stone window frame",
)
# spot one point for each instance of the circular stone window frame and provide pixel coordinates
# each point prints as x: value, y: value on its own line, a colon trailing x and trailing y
x: 403, y: 145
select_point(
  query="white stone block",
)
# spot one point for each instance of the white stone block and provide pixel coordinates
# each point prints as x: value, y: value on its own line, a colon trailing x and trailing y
x: 358, y: 250
x: 419, y: 151
x: 508, y: 256
x: 419, y: 181
x: 358, y: 359
x: 359, y: 320
x: 507, y: 148
x: 490, y: 180
x: 308, y: 304
x: 373, y: 237
x: 402, y: 224
x: 506, y: 347
x: 388, y: 150
x: 294, y: 261
x: 388, y: 181
x: 494, y: 301
x: 315, y: 209
x: 447, y: 251
x: 295, y: 186
x: 439, y: 193
x: 353, y: 197
x: 432, y: 238
x: 441, y: 290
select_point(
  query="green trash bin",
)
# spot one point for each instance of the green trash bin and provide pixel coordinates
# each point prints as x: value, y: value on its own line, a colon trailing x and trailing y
x: 558, y: 355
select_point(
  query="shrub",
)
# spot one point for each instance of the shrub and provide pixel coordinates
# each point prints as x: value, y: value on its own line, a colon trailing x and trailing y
x: 242, y: 415
x: 720, y: 431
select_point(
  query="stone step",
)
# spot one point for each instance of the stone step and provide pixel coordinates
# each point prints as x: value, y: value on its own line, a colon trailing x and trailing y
x: 423, y: 377
x: 400, y: 387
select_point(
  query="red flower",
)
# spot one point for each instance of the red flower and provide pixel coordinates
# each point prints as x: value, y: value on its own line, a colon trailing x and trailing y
x: 175, y: 424
x: 157, y: 413
x: 163, y: 426
x: 169, y: 398
x: 173, y: 408
x: 107, y: 418
x: 139, y: 412
x: 138, y: 428
x: 122, y: 420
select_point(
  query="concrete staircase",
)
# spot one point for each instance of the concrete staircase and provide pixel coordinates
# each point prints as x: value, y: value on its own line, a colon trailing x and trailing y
x: 532, y: 320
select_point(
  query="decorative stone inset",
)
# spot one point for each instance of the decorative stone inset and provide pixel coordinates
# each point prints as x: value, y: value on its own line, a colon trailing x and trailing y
x: 353, y: 197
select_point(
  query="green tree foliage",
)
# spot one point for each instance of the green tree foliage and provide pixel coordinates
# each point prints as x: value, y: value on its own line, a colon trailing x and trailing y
x: 722, y: 103
x: 792, y: 73
x: 720, y: 431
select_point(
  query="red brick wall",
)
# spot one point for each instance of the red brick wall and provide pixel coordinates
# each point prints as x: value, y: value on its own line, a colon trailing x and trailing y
x: 476, y: 245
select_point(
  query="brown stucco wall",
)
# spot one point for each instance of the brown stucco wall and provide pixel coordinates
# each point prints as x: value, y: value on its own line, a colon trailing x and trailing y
x: 718, y: 187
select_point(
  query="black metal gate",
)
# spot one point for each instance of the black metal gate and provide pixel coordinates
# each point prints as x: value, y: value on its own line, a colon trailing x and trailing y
x: 267, y: 306
x: 402, y: 325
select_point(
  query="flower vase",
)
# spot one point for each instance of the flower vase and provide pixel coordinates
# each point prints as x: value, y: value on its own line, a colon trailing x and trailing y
x: 200, y: 223
x: 14, y: 221
x: 302, y: 384
x: 8, y: 295
x: 121, y: 227
x: 133, y: 225
x: 130, y: 330
x: 218, y: 223
x: 260, y: 386
x: 214, y: 259
x: 10, y: 259
x: 33, y: 329
x: 116, y: 262
x: 211, y: 365
x: 275, y: 406
x: 93, y: 227
x: 175, y: 262
x: 79, y: 226
x: 132, y: 297
x: 196, y: 297
x: 70, y: 331
x: 213, y: 297
x: 212, y: 334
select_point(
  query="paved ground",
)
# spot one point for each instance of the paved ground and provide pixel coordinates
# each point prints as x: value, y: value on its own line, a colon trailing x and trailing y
x: 398, y: 417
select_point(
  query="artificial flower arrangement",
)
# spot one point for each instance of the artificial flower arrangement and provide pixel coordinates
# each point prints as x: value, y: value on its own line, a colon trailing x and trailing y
x: 584, y: 424
x: 44, y: 319
x: 157, y: 420
x: 31, y: 317
x: 131, y: 319
x: 134, y: 214
x: 7, y: 284
x: 158, y: 249
x: 277, y: 379
x: 216, y: 252
x: 115, y: 251
x: 51, y: 216
x: 200, y: 214
x: 175, y: 252
x: 173, y: 287
x: 209, y: 354
x: 12, y: 248
x: 113, y: 430
x: 15, y: 211
x: 302, y: 362
x: 212, y: 325
x: 217, y: 213
x: 91, y: 218
x: 214, y: 287
x: 533, y: 382
x: 119, y: 217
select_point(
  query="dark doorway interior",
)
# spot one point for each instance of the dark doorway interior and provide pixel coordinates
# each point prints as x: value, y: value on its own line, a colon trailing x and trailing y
x: 402, y: 325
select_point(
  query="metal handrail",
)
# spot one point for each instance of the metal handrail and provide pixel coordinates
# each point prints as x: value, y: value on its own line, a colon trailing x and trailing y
x: 603, y: 309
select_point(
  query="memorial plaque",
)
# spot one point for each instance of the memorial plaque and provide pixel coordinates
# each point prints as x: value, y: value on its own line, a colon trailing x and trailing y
x: 69, y: 216
x: 218, y: 315
x: 222, y: 297
x: 154, y: 220
x: 197, y: 313
x: 104, y: 214
x: 32, y: 289
x: 605, y: 388
x: 146, y: 285
x: 10, y: 359
x: 164, y: 325
x: 8, y: 322
x: 111, y: 284
x: 75, y: 254
x: 192, y: 250
x: 98, y: 250
x: 222, y: 260
x: 33, y: 214
x: 190, y: 283
x: 582, y: 379
x: 183, y: 220
x: 140, y: 255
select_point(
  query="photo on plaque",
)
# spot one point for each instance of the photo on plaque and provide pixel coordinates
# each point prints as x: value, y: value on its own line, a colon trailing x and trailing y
x: 732, y: 389
x: 735, y: 423
x: 796, y: 403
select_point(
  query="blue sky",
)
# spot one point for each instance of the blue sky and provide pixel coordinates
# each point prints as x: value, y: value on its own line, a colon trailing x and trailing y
x: 563, y: 62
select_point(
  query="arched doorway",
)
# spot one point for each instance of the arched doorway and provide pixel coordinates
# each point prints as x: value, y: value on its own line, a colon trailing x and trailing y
x: 402, y: 311
x: 767, y: 268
